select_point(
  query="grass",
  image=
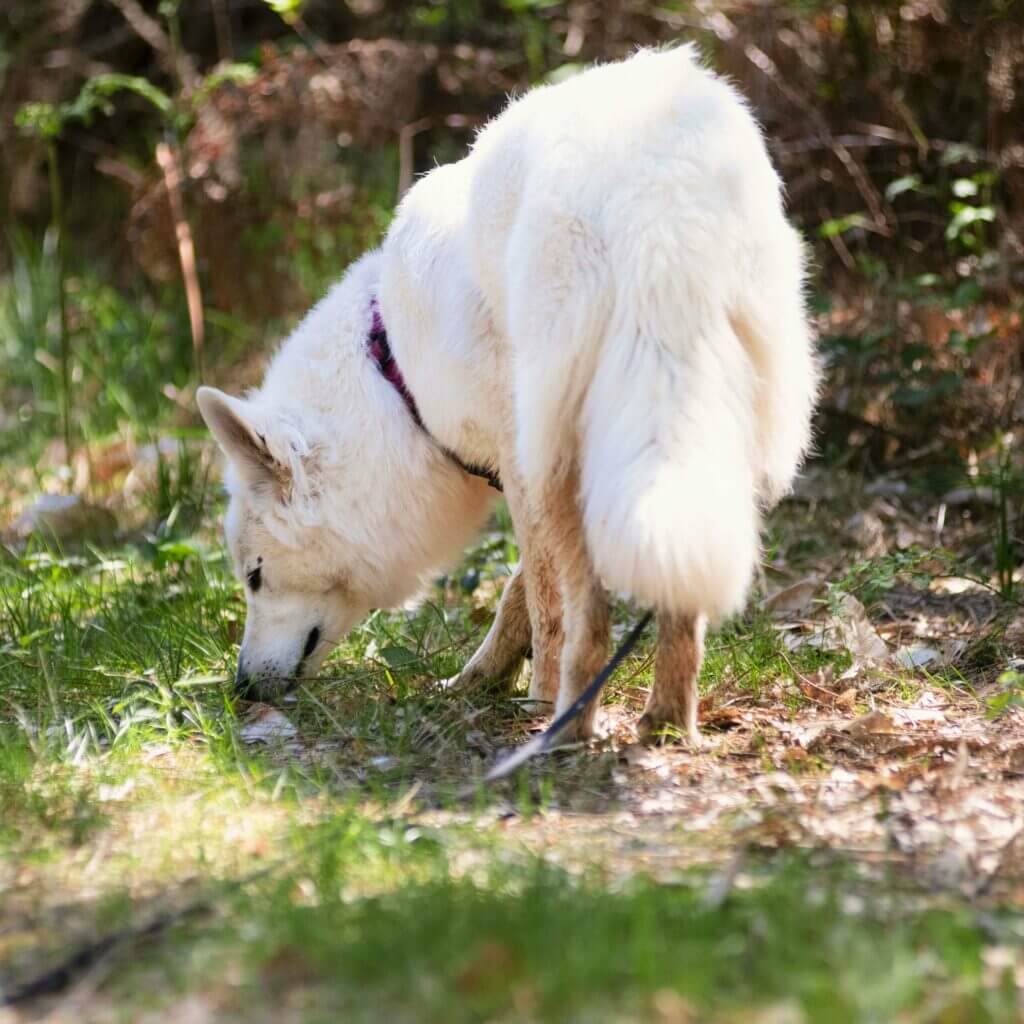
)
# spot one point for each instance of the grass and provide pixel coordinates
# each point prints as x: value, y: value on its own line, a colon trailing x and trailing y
x: 128, y: 785
x: 363, y: 915
x: 385, y: 921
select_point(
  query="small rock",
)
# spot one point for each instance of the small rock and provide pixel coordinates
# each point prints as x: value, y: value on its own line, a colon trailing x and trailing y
x: 267, y: 725
x: 868, y: 532
x: 970, y: 496
x: 916, y: 656
x: 67, y: 520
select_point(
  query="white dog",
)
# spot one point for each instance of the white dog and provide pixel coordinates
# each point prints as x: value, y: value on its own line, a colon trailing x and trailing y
x: 602, y: 305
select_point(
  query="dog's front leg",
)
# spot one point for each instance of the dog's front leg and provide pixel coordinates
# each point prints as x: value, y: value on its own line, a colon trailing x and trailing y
x: 495, y: 664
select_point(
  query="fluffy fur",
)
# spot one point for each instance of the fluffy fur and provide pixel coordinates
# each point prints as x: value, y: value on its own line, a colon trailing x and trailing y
x: 603, y: 301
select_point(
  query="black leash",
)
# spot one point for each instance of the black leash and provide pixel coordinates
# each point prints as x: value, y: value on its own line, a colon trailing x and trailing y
x: 545, y: 741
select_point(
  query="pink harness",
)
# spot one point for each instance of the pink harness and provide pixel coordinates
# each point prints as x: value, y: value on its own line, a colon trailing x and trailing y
x: 380, y: 352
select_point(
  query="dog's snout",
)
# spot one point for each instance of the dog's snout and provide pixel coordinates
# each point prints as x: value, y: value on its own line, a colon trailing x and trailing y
x: 260, y: 678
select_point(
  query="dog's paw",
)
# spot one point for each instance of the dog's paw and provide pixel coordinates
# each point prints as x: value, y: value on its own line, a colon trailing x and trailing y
x: 466, y: 683
x: 580, y: 729
x: 653, y: 728
x: 473, y: 682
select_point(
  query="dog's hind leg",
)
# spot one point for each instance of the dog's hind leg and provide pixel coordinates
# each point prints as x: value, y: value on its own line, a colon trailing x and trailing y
x: 544, y: 601
x: 496, y: 661
x: 584, y: 602
x: 539, y: 570
x: 673, y: 700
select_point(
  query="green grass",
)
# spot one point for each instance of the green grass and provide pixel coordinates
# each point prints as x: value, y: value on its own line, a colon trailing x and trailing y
x: 369, y: 918
x: 384, y: 892
x: 380, y: 921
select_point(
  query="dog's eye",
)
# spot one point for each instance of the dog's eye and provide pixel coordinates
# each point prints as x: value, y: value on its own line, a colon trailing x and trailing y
x: 254, y: 579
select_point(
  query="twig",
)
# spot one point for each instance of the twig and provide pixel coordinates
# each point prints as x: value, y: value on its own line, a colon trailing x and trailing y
x: 868, y: 192
x: 877, y: 136
x: 170, y: 166
x: 980, y: 583
x: 163, y: 43
x: 57, y: 217
x: 63, y: 975
x: 148, y: 29
x: 723, y: 882
x: 858, y: 421
x: 840, y: 246
x: 406, y: 168
x: 222, y: 28
x: 832, y: 696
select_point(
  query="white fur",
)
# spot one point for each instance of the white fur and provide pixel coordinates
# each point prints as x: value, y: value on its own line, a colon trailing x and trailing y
x: 607, y: 277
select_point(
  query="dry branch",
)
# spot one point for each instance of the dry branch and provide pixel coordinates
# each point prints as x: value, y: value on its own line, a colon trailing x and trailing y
x: 170, y: 165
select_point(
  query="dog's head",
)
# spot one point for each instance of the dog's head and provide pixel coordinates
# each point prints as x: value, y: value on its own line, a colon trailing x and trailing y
x: 299, y: 591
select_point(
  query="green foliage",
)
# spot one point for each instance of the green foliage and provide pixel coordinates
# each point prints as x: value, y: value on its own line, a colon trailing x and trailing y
x: 28, y: 308
x: 48, y: 121
x: 841, y: 225
x: 126, y: 350
x: 92, y: 624
x: 1011, y: 694
x: 869, y: 580
x: 235, y: 74
x: 388, y: 930
x: 751, y: 653
x: 1006, y: 477
x: 96, y: 95
x: 289, y: 10
x: 178, y: 499
x: 41, y: 119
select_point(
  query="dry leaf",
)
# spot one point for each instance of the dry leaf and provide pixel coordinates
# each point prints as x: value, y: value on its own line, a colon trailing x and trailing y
x: 793, y: 601
x: 847, y: 699
x: 859, y: 637
x: 874, y: 723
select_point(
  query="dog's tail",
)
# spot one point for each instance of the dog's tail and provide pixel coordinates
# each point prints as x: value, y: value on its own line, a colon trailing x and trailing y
x: 668, y: 467
x: 686, y: 405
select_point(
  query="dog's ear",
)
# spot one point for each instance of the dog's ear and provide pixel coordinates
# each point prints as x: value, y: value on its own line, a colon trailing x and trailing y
x: 243, y: 437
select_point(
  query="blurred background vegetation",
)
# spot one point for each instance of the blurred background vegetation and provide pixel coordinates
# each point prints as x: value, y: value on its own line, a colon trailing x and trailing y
x: 180, y: 179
